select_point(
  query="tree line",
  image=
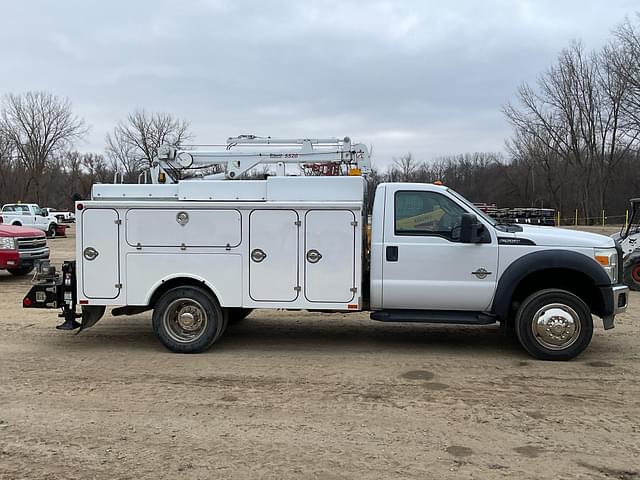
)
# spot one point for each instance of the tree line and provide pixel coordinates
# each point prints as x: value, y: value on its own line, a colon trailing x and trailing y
x: 575, y: 143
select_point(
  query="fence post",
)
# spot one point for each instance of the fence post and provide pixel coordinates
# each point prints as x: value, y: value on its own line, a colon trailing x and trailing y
x: 602, y: 218
x: 576, y: 217
x: 558, y: 215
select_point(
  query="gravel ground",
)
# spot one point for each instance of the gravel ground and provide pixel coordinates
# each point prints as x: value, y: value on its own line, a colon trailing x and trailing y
x: 309, y: 395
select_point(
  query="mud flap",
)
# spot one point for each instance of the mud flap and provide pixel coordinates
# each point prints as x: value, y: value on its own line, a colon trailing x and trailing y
x: 91, y: 315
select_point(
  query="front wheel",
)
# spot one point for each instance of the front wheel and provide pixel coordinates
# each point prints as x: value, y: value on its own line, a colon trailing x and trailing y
x: 188, y: 320
x: 21, y: 270
x: 632, y: 275
x: 554, y: 325
x: 51, y: 231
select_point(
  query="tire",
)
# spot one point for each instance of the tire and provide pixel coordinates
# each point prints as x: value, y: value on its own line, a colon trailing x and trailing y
x: 573, y: 327
x: 51, y: 231
x: 631, y: 276
x: 203, y: 322
x: 238, y: 314
x: 20, y: 271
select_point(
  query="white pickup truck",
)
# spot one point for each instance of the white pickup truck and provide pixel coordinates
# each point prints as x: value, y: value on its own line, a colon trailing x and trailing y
x: 29, y: 215
x: 202, y: 253
x: 62, y: 216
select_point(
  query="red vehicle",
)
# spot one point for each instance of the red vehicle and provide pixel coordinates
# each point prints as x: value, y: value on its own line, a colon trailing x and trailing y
x: 20, y: 247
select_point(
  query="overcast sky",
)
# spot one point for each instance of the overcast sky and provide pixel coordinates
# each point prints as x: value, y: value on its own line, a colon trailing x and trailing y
x: 427, y: 77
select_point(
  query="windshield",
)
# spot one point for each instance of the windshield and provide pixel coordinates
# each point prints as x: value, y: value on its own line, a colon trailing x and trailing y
x: 475, y: 209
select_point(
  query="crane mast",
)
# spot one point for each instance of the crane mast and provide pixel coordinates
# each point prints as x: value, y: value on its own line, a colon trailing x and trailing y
x: 311, y: 153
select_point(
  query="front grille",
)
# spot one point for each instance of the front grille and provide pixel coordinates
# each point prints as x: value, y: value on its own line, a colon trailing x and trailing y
x: 31, y: 243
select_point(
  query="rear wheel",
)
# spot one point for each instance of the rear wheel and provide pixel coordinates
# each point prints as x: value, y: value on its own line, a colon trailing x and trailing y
x: 22, y: 270
x: 632, y: 275
x: 188, y: 319
x: 554, y: 325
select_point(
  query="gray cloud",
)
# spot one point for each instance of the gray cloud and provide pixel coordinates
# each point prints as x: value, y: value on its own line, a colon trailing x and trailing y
x: 422, y: 76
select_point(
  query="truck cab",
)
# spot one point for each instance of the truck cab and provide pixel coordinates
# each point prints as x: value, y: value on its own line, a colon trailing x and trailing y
x: 436, y: 257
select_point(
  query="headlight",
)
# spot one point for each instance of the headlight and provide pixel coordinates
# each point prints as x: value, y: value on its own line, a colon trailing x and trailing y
x: 608, y: 258
x: 7, y: 243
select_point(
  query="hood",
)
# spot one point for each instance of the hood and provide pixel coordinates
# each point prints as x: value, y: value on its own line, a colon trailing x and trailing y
x: 563, y: 237
x: 11, y: 231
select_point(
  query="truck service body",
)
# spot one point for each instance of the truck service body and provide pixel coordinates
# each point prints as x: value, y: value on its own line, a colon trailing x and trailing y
x: 200, y: 253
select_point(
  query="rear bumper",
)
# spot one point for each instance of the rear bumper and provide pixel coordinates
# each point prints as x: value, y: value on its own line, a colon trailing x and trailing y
x: 616, y: 300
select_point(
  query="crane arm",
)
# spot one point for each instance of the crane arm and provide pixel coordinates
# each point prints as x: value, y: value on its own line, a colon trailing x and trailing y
x: 170, y: 160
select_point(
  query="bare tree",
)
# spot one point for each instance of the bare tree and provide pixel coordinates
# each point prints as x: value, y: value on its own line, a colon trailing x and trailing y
x: 404, y: 167
x: 626, y: 61
x: 574, y: 119
x: 38, y: 125
x: 134, y: 142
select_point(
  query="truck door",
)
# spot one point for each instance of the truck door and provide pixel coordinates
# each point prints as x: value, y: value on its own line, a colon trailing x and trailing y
x: 273, y: 255
x: 100, y: 253
x: 424, y: 266
x: 329, y: 263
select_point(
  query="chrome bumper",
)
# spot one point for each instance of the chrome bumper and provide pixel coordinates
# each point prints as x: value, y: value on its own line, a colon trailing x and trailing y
x: 620, y: 298
x: 28, y: 256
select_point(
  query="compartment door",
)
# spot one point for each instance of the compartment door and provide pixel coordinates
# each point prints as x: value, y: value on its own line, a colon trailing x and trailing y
x: 329, y: 258
x: 273, y: 255
x: 100, y: 253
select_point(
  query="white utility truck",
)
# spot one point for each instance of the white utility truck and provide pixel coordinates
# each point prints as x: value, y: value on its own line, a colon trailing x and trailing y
x: 200, y: 253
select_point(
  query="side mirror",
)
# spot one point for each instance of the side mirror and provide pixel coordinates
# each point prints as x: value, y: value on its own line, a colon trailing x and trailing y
x: 473, y: 231
x: 44, y: 212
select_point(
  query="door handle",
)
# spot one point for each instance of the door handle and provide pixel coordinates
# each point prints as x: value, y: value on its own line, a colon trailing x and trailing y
x: 313, y: 256
x: 392, y: 254
x: 90, y: 253
x: 258, y: 255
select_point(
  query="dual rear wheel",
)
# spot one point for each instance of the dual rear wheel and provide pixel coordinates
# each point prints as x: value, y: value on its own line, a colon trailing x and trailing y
x: 189, y: 319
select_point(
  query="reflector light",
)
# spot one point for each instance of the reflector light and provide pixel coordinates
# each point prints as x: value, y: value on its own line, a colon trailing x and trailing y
x: 80, y: 206
x: 602, y: 260
x: 26, y: 302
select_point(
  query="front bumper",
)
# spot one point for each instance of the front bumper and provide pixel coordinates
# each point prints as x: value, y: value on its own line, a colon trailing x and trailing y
x: 29, y: 257
x: 9, y: 259
x: 616, y: 300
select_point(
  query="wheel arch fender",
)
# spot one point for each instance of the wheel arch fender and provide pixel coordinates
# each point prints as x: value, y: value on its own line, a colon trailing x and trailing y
x: 538, y: 262
x: 177, y: 280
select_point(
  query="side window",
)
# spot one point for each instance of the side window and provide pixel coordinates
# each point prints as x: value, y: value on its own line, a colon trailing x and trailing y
x: 427, y: 213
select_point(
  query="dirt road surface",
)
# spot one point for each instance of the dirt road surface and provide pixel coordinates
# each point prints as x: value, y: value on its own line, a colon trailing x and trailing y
x: 307, y: 395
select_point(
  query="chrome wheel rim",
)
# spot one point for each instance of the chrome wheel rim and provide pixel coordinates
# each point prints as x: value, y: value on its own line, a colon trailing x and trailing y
x: 556, y: 326
x: 185, y: 320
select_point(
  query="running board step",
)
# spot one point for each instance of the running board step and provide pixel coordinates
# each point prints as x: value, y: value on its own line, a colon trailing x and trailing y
x: 434, y: 316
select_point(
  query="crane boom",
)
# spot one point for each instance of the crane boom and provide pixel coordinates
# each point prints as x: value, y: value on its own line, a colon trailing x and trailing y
x: 171, y: 160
